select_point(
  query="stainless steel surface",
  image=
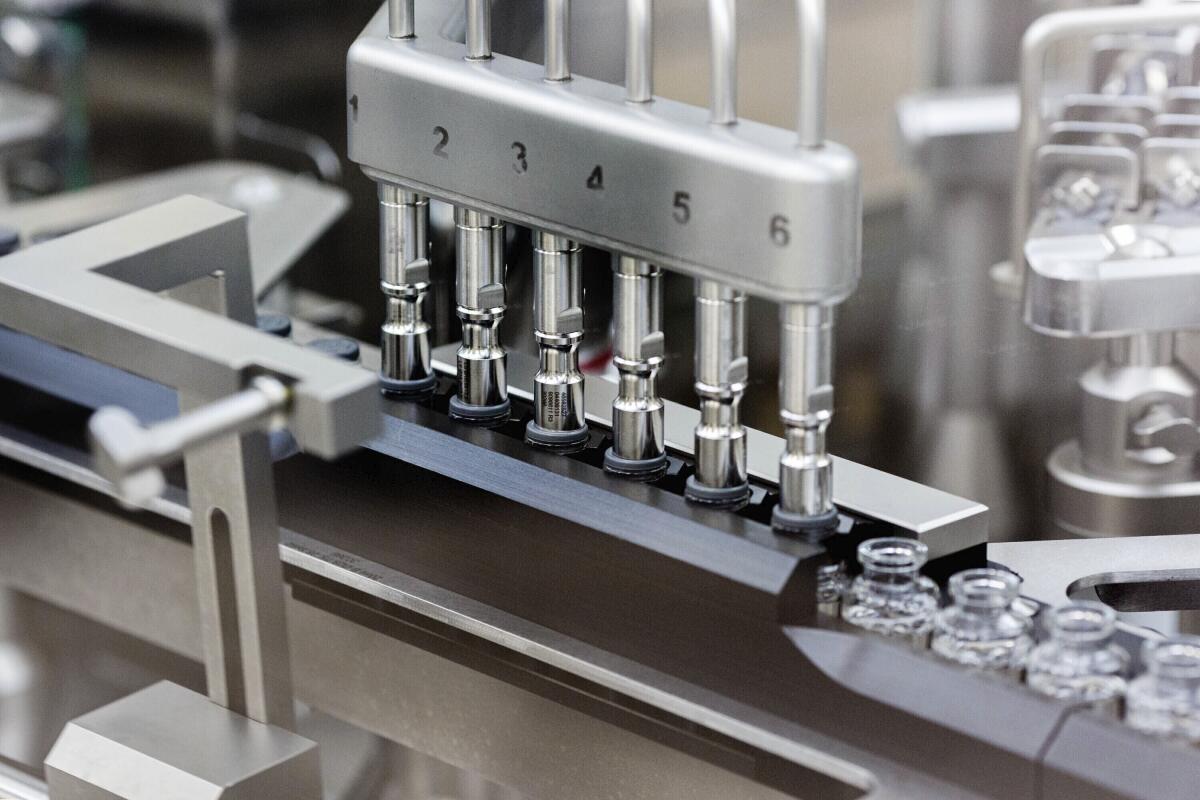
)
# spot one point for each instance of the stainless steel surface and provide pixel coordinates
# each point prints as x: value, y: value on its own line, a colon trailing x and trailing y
x: 558, y: 314
x: 944, y: 522
x: 639, y: 51
x: 636, y: 409
x: 722, y: 22
x: 136, y: 749
x: 806, y: 408
x: 1081, y: 285
x: 481, y: 305
x: 721, y: 369
x: 810, y: 107
x: 722, y: 373
x: 557, y: 24
x: 405, y: 280
x: 801, y: 205
x: 479, y: 30
x: 401, y: 19
x: 1056, y: 570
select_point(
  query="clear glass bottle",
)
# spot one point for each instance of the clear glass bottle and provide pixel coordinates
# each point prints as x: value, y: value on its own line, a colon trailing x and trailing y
x: 1079, y: 663
x: 980, y: 629
x: 1165, y: 700
x: 891, y: 597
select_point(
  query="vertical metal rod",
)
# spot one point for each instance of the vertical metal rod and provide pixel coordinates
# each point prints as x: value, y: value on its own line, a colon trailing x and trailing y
x: 558, y: 415
x: 810, y: 106
x: 806, y: 409
x: 721, y: 373
x: 639, y: 445
x: 406, y: 367
x: 558, y: 40
x: 722, y: 22
x: 639, y: 51
x: 482, y: 361
x: 479, y: 30
x: 401, y: 19
x: 721, y: 369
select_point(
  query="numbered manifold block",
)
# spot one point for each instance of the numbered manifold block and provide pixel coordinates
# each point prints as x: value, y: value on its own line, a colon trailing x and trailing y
x: 743, y: 204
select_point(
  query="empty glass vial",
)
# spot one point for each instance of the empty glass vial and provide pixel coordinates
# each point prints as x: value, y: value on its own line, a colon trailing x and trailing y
x: 1165, y: 700
x: 1079, y: 663
x: 891, y: 596
x: 980, y: 629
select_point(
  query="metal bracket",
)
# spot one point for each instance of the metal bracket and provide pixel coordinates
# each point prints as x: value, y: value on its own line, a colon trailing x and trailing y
x: 98, y: 298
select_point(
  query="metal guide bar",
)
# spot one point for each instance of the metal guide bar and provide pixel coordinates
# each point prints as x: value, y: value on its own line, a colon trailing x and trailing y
x: 745, y: 204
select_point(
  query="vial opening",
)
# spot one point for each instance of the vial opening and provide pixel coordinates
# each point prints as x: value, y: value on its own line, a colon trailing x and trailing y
x: 892, y: 555
x: 1082, y: 622
x: 1176, y: 657
x: 985, y: 588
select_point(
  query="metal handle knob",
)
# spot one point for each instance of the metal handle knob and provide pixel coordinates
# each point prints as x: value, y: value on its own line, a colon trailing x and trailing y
x: 131, y: 455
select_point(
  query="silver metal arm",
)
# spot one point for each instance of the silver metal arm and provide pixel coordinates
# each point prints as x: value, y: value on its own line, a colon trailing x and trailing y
x: 639, y: 51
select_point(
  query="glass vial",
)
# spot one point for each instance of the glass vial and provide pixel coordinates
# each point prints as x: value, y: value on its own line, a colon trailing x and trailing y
x: 1165, y: 700
x: 891, y: 597
x: 979, y: 628
x: 1080, y: 663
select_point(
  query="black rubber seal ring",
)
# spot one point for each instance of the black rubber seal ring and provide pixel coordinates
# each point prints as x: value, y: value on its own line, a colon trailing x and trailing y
x: 649, y: 469
x: 791, y: 522
x: 462, y: 411
x: 728, y: 497
x: 544, y: 437
x: 407, y: 388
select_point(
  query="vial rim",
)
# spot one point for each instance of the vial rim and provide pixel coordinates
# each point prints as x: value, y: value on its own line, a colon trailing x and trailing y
x: 985, y: 588
x: 1082, y: 621
x: 1173, y: 657
x: 893, y: 555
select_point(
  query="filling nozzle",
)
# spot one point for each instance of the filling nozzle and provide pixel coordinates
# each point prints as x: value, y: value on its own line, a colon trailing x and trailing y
x: 482, y: 361
x: 558, y: 419
x: 639, y: 448
x: 406, y: 366
x: 721, y: 374
x: 806, y: 409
